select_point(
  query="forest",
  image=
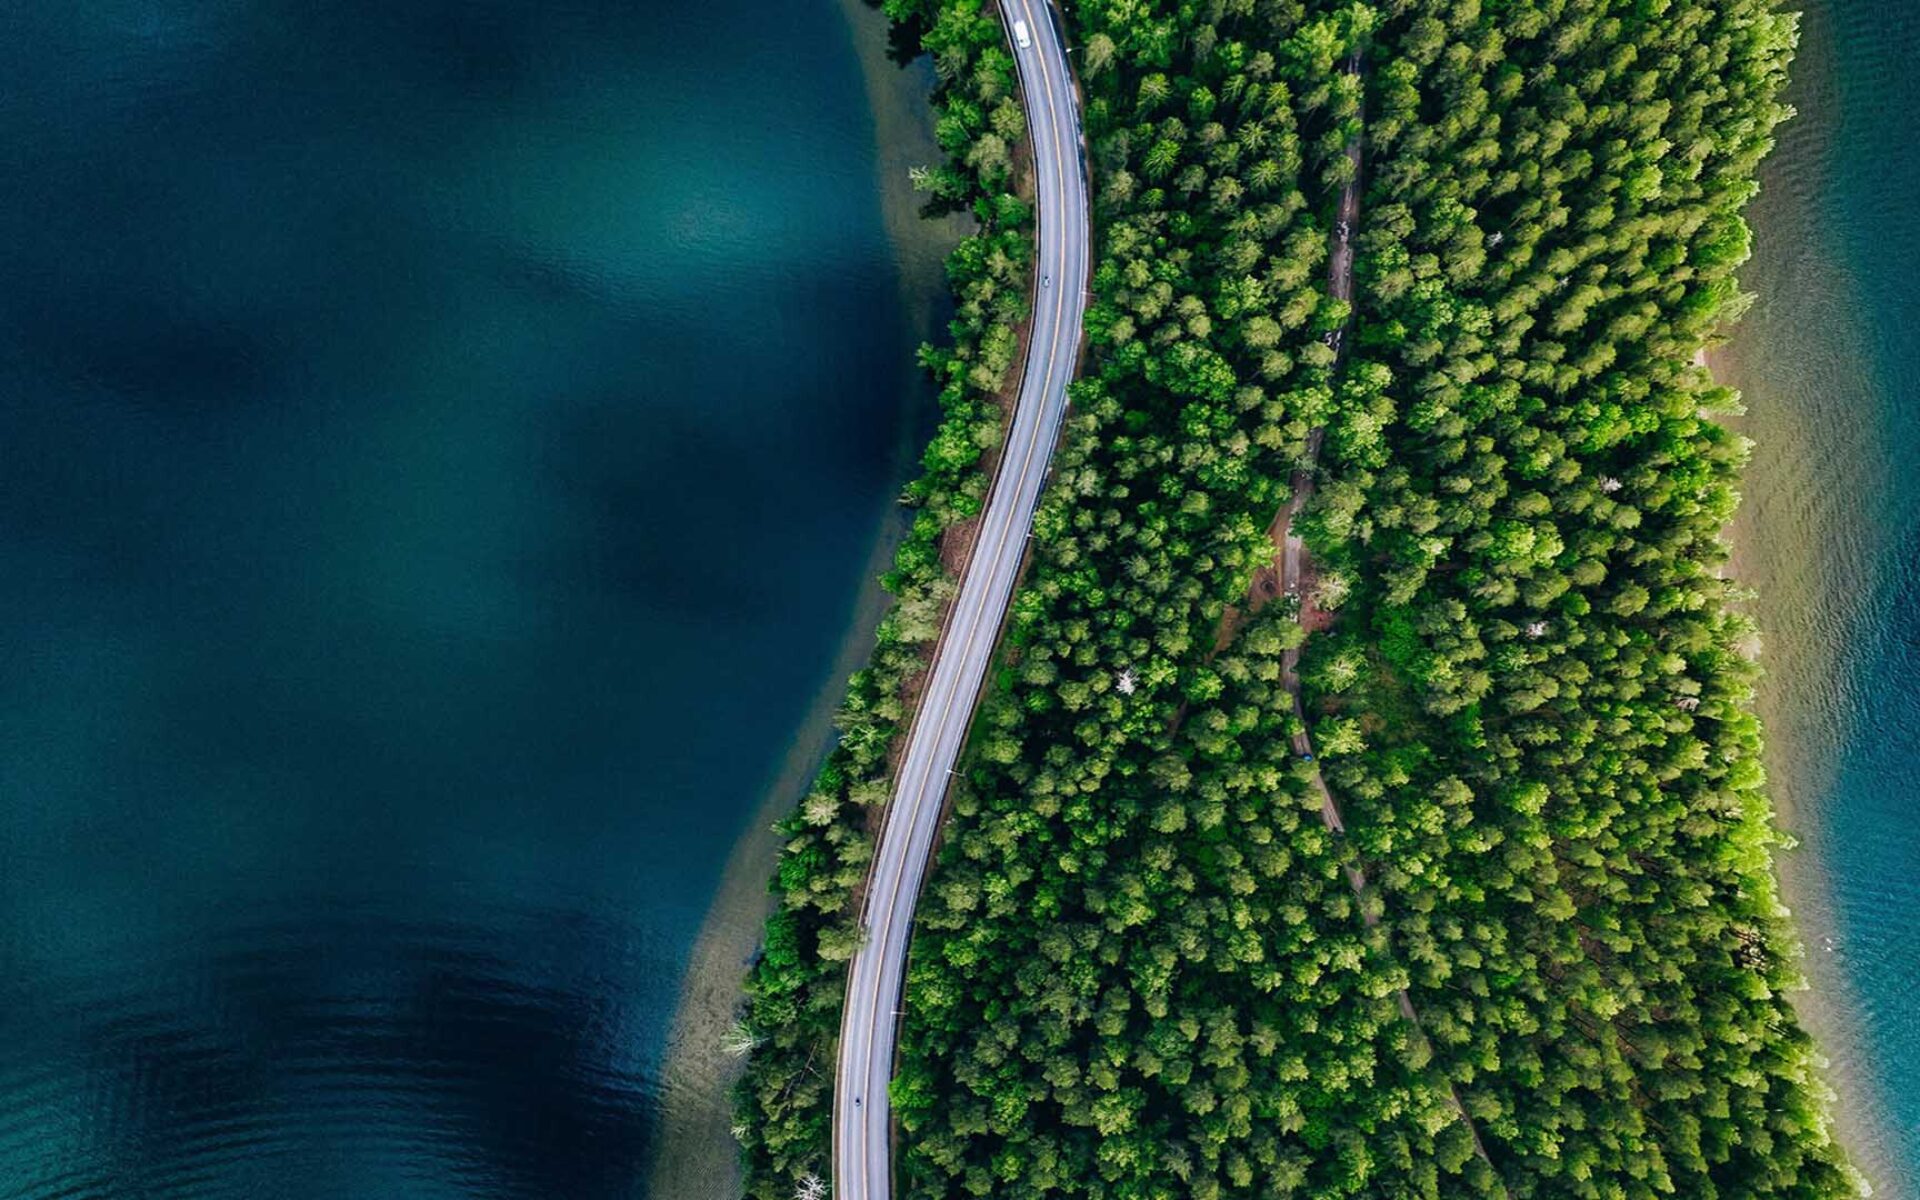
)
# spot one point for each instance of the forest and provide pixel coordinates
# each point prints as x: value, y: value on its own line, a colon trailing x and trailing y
x: 1142, y: 968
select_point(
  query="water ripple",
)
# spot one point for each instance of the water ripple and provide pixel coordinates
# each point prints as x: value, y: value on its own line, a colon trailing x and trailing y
x: 349, y: 1056
x: 1829, y: 361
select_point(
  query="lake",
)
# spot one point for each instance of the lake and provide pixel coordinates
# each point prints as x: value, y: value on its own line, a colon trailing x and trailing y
x: 446, y: 449
x: 1829, y: 362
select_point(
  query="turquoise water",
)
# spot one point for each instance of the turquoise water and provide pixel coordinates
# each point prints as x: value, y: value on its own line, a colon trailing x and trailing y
x: 1829, y: 362
x: 443, y: 446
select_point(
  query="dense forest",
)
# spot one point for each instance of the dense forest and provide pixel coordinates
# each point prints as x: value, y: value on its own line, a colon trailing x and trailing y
x: 1142, y: 968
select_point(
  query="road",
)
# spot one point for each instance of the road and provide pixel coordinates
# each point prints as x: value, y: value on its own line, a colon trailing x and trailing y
x: 869, y: 1023
x: 1292, y: 563
x: 1300, y: 486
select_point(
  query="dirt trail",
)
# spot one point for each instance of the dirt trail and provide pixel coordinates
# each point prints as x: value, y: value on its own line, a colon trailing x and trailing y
x: 1289, y: 575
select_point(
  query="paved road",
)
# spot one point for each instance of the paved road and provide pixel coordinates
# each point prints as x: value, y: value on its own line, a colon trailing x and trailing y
x: 869, y: 1024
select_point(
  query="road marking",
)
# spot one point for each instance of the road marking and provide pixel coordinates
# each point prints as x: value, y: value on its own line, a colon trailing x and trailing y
x: 915, y: 775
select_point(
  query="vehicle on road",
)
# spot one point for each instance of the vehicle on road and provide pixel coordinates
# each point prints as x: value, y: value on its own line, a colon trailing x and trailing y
x: 963, y: 658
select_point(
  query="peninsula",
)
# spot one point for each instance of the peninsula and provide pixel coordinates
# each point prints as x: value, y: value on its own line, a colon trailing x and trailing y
x: 1365, y: 795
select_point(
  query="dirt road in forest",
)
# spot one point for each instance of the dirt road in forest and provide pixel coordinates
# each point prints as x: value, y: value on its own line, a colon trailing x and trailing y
x: 1293, y: 572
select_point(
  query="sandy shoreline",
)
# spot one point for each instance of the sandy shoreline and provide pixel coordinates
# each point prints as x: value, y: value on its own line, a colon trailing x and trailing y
x: 1792, y: 672
x: 1791, y: 541
x: 695, y: 1155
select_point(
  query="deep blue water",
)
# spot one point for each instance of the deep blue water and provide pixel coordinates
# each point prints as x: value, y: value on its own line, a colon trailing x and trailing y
x: 1829, y: 362
x: 440, y: 449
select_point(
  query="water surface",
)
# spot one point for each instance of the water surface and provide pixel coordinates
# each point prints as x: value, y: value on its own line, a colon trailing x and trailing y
x: 1829, y: 362
x: 443, y: 445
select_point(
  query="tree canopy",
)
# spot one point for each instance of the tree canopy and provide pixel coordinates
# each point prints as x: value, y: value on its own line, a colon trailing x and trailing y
x: 1139, y: 970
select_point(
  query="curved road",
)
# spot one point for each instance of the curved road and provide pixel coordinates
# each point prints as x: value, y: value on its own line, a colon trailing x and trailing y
x: 862, y: 1126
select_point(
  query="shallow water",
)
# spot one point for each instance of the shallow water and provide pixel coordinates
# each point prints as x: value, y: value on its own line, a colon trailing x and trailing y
x: 443, y: 446
x: 1829, y: 362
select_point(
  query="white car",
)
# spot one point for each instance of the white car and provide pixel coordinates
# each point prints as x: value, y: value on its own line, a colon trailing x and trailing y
x: 1021, y: 37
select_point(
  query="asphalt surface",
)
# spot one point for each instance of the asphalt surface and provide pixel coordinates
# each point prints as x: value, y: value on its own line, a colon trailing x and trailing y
x: 869, y: 1026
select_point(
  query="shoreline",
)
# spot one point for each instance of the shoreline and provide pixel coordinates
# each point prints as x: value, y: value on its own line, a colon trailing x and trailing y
x: 1827, y: 1004
x: 1790, y: 541
x: 696, y: 1157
